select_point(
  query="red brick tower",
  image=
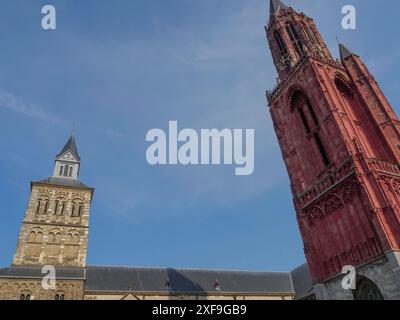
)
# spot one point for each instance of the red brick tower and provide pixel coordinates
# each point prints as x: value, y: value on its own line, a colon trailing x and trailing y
x: 340, y: 140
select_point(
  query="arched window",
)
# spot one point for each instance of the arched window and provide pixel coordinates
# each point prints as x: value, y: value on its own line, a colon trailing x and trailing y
x: 39, y: 237
x: 59, y: 206
x: 32, y: 236
x: 294, y: 37
x: 24, y: 296
x: 76, y: 238
x: 51, y: 237
x: 42, y: 205
x: 69, y: 238
x: 77, y: 208
x: 61, y: 170
x: 59, y: 296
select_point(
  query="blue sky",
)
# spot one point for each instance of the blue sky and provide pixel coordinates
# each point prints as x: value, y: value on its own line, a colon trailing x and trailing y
x: 119, y: 68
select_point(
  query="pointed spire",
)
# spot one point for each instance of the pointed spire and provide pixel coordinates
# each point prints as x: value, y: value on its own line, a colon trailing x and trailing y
x: 275, y: 5
x: 344, y: 51
x: 70, y: 146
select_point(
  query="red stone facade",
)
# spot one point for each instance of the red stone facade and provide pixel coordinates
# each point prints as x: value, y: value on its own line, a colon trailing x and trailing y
x: 340, y: 140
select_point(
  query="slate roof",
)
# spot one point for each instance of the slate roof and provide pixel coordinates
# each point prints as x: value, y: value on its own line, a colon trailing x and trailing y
x: 344, y: 51
x: 36, y: 272
x: 138, y: 279
x: 120, y: 279
x: 63, y: 182
x: 70, y: 146
x: 302, y: 283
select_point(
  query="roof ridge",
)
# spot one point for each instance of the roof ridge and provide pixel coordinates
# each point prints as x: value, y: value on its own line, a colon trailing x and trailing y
x: 188, y: 269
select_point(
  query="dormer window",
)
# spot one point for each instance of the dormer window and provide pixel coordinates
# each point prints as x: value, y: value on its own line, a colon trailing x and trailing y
x: 61, y: 170
x: 216, y: 285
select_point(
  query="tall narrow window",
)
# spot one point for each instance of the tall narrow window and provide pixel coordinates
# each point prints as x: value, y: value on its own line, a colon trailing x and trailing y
x: 313, y: 115
x: 294, y: 37
x: 80, y: 210
x: 304, y: 120
x: 62, y: 207
x: 61, y: 170
x: 56, y: 207
x: 46, y: 204
x: 70, y: 171
x: 280, y: 43
x: 66, y: 171
x: 311, y: 36
x: 321, y: 149
x: 284, y: 57
x: 38, y: 205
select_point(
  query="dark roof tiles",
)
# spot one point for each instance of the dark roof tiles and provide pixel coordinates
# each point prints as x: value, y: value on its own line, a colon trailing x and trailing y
x: 70, y: 146
x: 63, y: 182
x: 100, y: 278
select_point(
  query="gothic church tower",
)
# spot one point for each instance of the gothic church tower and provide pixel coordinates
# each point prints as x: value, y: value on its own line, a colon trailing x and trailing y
x: 340, y: 140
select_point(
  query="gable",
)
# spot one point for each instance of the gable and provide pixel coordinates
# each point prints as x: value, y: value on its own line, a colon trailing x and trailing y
x: 67, y: 156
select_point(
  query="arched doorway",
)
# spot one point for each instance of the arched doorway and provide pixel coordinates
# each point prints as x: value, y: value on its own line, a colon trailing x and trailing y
x: 366, y: 290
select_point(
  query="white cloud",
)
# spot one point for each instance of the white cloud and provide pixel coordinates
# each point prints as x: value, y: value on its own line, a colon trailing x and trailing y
x: 10, y: 102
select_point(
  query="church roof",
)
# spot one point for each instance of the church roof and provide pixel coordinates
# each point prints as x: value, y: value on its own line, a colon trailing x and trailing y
x: 121, y: 279
x: 344, y: 51
x: 70, y: 146
x: 190, y: 281
x: 34, y: 272
x: 302, y: 282
x: 63, y: 182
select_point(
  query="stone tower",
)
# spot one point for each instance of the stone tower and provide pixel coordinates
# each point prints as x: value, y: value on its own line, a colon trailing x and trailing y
x: 56, y: 224
x: 340, y: 140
